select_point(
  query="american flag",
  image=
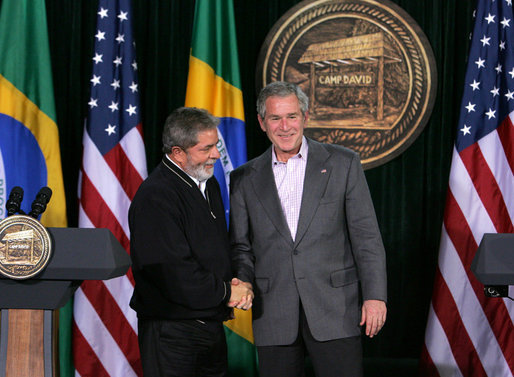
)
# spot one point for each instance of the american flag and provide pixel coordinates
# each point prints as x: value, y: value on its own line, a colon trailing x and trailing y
x: 468, y: 334
x: 113, y: 167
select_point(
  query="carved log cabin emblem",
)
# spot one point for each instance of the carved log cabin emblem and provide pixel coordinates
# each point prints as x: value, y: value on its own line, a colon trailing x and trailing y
x: 25, y: 247
x: 366, y: 66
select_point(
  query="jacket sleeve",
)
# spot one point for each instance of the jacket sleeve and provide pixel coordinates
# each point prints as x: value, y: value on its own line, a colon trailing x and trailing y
x: 364, y: 233
x: 243, y: 258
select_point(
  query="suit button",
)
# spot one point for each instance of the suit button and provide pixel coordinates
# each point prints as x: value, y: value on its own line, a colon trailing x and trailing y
x: 295, y: 252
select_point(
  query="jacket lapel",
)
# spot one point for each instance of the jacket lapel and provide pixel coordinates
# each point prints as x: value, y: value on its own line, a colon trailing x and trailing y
x: 265, y: 189
x: 317, y: 174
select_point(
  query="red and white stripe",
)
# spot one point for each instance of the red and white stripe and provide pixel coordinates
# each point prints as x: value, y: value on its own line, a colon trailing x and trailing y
x: 105, y: 327
x: 467, y: 333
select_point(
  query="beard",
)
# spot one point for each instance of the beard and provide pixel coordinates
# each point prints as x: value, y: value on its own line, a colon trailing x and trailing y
x: 199, y: 171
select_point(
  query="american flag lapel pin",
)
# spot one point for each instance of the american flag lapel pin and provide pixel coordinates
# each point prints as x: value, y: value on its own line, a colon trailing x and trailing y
x: 323, y: 171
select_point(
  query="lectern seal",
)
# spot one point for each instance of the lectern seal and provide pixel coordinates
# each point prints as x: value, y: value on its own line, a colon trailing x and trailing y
x: 25, y: 247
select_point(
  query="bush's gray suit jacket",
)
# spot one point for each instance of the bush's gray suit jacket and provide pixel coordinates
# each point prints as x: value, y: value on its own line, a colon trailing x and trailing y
x: 336, y: 260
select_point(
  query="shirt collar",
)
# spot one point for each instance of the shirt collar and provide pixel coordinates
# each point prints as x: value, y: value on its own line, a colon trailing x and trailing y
x: 302, y: 153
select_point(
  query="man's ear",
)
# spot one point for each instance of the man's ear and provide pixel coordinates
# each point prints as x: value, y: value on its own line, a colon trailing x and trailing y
x: 261, y: 122
x: 178, y: 155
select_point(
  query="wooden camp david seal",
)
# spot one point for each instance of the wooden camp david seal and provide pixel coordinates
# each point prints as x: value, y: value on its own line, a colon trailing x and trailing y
x: 25, y: 247
x: 366, y: 66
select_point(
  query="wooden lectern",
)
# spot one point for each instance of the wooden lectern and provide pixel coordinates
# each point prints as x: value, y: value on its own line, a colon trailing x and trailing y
x: 28, y: 345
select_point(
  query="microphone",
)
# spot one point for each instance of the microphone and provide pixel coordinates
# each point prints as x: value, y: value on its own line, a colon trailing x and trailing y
x: 14, y: 202
x: 39, y: 204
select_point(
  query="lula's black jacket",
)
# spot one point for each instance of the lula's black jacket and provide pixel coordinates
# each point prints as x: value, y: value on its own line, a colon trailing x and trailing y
x: 179, y: 248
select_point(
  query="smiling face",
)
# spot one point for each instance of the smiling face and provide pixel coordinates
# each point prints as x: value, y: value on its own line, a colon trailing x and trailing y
x: 284, y: 124
x: 198, y: 161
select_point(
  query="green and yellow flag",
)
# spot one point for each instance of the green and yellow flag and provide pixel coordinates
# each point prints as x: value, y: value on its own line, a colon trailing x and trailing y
x: 214, y: 84
x: 29, y: 138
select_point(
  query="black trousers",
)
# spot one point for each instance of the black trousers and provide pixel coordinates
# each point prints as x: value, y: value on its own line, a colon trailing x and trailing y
x: 333, y: 358
x: 182, y: 348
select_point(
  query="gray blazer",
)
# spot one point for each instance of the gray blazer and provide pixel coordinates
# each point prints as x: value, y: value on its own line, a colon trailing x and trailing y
x: 336, y: 261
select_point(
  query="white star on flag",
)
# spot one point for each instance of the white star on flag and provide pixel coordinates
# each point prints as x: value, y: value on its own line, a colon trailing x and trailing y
x: 470, y: 107
x: 110, y: 129
x: 485, y: 41
x: 131, y: 110
x: 98, y: 58
x: 490, y: 114
x: 100, y: 35
x: 102, y: 13
x: 93, y: 103
x: 96, y: 80
x: 122, y: 16
x: 113, y: 106
x: 115, y: 84
x: 465, y: 130
x: 480, y: 62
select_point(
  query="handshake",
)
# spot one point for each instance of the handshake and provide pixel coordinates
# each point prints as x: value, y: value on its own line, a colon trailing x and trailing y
x: 241, y: 296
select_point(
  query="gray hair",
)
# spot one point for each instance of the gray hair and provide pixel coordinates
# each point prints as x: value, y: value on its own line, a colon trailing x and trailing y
x: 183, y: 125
x: 281, y: 89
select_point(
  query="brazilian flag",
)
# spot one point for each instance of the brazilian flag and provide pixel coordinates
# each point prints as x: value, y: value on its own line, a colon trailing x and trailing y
x: 214, y: 84
x: 29, y: 138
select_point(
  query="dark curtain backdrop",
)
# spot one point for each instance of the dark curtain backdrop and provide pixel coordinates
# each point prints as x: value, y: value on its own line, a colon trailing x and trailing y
x: 408, y: 192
